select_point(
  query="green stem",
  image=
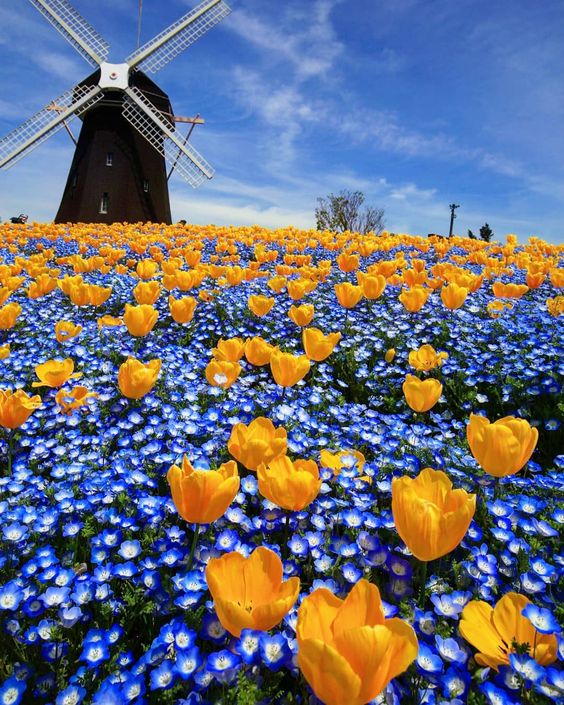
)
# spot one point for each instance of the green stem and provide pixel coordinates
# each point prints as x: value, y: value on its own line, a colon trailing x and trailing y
x: 423, y: 577
x: 10, y: 450
x: 193, y: 547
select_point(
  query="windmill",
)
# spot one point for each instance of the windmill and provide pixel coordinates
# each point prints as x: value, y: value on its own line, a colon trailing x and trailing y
x: 128, y: 136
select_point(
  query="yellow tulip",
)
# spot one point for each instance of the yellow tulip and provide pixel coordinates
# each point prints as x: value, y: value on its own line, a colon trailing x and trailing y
x: 290, y: 485
x: 146, y: 268
x: 231, y: 350
x: 259, y: 442
x: 182, y: 310
x: 415, y: 298
x: 501, y: 448
x: 109, y: 322
x: 390, y: 354
x: 16, y: 407
x: 277, y: 283
x: 347, y: 262
x: 301, y: 315
x: 4, y: 351
x: 421, y: 395
x: 297, y: 288
x: 147, y: 292
x: 69, y: 400
x: 202, y: 496
x: 495, y: 630
x: 348, y: 295
x: 140, y: 320
x: 65, y: 330
x: 288, y: 369
x: 426, y: 358
x: 54, y: 373
x: 431, y: 517
x: 222, y: 373
x: 372, y: 285
x: 44, y: 284
x: 348, y: 651
x: 343, y: 459
x: 453, y: 296
x: 9, y: 315
x: 249, y: 593
x: 135, y: 379
x: 258, y: 351
x: 555, y: 306
x: 509, y: 291
x: 260, y: 305
x: 317, y: 346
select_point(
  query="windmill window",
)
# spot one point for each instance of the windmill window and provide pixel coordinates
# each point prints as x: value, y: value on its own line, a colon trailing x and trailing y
x: 110, y: 159
x: 104, y: 203
x: 145, y: 186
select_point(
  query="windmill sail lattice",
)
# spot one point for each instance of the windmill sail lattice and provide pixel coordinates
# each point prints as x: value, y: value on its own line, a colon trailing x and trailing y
x: 118, y: 170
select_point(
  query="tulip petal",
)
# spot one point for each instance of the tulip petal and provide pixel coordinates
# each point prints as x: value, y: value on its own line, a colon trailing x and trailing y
x: 362, y: 606
x: 330, y: 676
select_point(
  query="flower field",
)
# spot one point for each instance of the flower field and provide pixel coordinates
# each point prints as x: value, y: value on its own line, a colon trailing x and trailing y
x: 248, y: 466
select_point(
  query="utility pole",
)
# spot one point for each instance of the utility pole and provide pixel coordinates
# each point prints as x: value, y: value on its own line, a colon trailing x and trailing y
x: 453, y: 207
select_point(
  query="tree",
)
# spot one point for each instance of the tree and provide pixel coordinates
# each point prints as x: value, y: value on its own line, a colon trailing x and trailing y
x: 486, y: 233
x: 344, y: 212
x: 471, y: 235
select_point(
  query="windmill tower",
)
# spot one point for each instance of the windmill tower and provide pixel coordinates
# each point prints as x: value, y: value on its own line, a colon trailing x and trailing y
x: 128, y: 135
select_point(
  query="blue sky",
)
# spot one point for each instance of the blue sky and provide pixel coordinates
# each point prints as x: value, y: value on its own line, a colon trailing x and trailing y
x: 417, y: 103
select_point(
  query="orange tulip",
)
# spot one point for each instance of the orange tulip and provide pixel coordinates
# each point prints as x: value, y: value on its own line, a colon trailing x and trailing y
x: 16, y: 407
x: 109, y: 322
x: 54, y: 373
x: 509, y: 291
x: 317, y: 346
x: 202, y: 496
x: 415, y: 298
x: 140, y: 320
x: 290, y: 485
x: 347, y: 262
x: 431, y: 517
x: 9, y: 315
x: 426, y: 358
x: 231, y: 350
x: 421, y: 395
x: 222, y: 373
x: 136, y: 379
x: 495, y: 630
x: 557, y: 277
x: 88, y: 294
x: 44, y: 284
x: 182, y: 310
x: 501, y: 448
x: 297, y: 288
x: 277, y: 284
x: 347, y: 650
x: 535, y: 279
x: 65, y: 330
x: 69, y: 400
x: 258, y: 351
x: 146, y: 268
x: 259, y: 442
x: 147, y: 292
x: 453, y: 296
x: 249, y: 593
x: 288, y: 369
x: 260, y: 305
x: 301, y: 315
x: 343, y: 459
x: 372, y: 285
x: 347, y: 294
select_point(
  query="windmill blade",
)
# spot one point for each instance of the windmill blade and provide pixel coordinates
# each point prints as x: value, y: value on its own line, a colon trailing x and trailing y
x: 75, y: 29
x: 155, y: 54
x: 149, y: 122
x: 46, y: 122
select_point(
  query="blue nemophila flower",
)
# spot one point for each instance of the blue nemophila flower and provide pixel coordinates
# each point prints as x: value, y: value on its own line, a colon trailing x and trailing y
x: 72, y: 695
x: 428, y: 660
x: 94, y: 653
x: 14, y: 532
x: 450, y: 650
x: 108, y: 694
x: 298, y: 546
x: 212, y: 629
x: 11, y: 595
x: 542, y: 619
x: 187, y: 661
x: 274, y: 651
x: 223, y: 665
x: 248, y: 645
x: 528, y: 668
x: 455, y: 682
x: 532, y: 584
x: 69, y: 616
x: 11, y: 691
x: 129, y: 550
x: 163, y: 677
x: 133, y: 687
x: 227, y: 540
